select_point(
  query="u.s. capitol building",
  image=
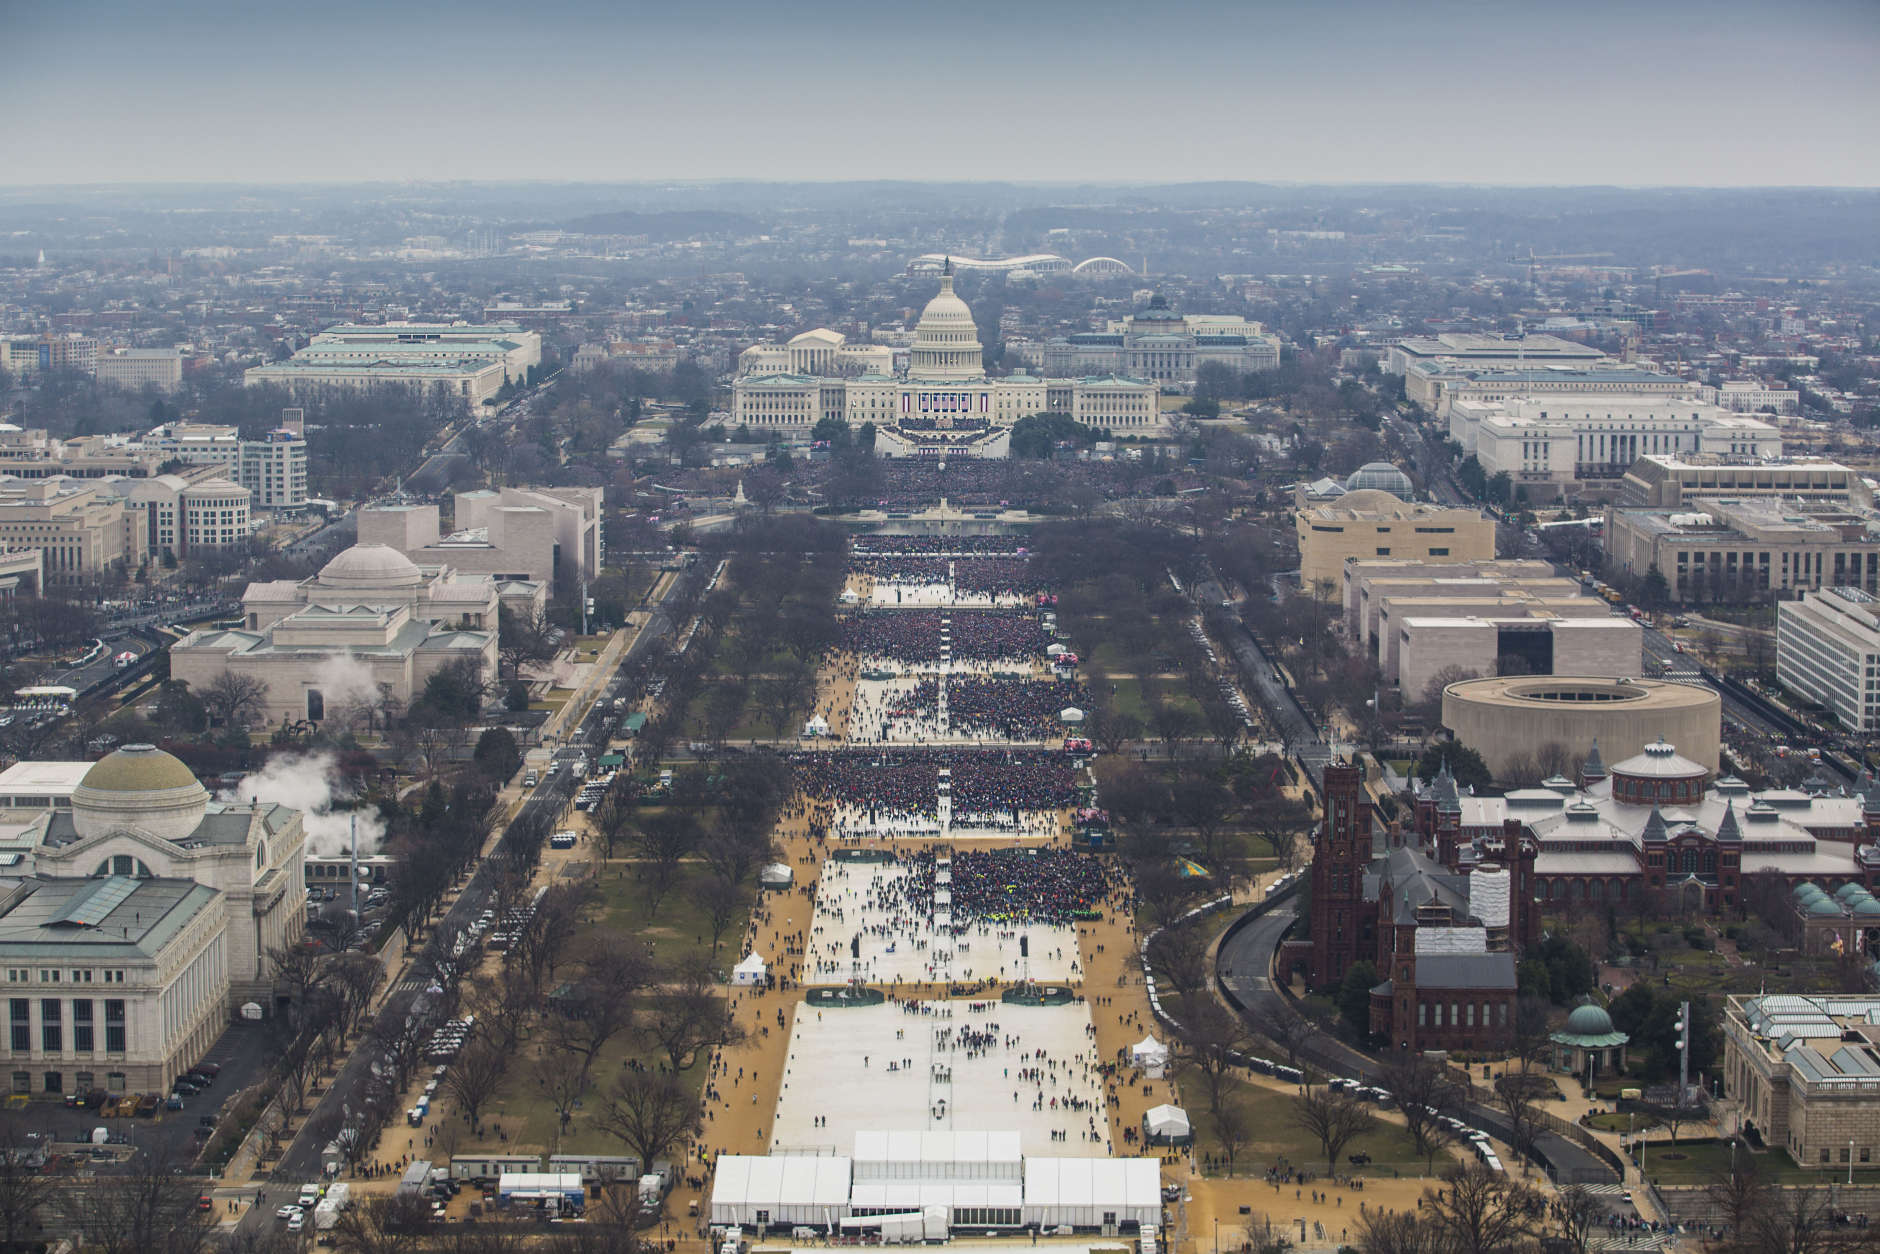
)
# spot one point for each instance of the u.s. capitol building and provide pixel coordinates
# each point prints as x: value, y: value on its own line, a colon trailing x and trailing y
x: 944, y: 403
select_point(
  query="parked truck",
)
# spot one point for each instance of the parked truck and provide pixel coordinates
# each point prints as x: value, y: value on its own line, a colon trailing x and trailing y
x: 326, y: 1213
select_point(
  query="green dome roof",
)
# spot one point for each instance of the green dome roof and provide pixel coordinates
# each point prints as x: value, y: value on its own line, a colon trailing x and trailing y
x: 1867, y: 908
x: 1589, y: 1020
x: 1849, y: 890
x: 1823, y: 907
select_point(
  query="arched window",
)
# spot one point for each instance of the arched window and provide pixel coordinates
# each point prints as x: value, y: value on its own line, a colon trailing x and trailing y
x: 123, y: 864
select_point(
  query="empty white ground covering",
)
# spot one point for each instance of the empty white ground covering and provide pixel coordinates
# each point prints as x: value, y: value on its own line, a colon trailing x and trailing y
x: 884, y: 713
x: 944, y: 1066
x: 886, y: 593
x: 863, y: 899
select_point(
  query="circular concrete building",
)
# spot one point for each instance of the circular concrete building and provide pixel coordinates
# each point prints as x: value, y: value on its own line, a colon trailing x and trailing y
x: 1511, y: 719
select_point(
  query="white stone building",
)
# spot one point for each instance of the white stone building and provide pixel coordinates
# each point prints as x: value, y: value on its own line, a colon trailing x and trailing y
x: 1564, y: 444
x: 471, y: 363
x: 1828, y: 650
x: 549, y: 536
x: 1161, y: 345
x: 371, y: 623
x: 944, y: 401
x: 138, y: 368
x: 143, y: 917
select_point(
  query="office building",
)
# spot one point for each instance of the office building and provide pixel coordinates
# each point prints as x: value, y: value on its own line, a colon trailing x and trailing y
x: 549, y: 536
x: 135, y: 369
x: 32, y: 454
x: 273, y: 469
x: 1161, y: 345
x: 1533, y: 639
x: 24, y: 356
x: 1750, y: 396
x: 1570, y: 444
x: 1735, y: 548
x: 141, y: 919
x: 1828, y: 651
x: 1438, y: 385
x: 81, y: 532
x: 1665, y: 481
x: 470, y: 363
x: 1370, y: 523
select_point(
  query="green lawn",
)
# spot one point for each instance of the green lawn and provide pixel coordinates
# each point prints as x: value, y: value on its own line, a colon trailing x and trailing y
x: 753, y: 722
x: 1128, y: 699
x: 682, y: 926
x: 1276, y: 1135
x: 1701, y: 1162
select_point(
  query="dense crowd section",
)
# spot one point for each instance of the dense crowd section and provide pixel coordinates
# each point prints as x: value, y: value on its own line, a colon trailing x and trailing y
x: 995, y: 576
x: 896, y: 568
x: 994, y: 546
x: 906, y: 780
x: 1014, y: 709
x: 913, y: 636
x: 1009, y: 886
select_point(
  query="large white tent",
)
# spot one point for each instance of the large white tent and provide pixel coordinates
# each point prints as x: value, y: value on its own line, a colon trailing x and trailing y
x: 791, y: 1190
x: 776, y: 875
x: 1151, y: 1055
x: 751, y: 971
x: 1167, y: 1125
x: 1092, y: 1192
x: 935, y: 1156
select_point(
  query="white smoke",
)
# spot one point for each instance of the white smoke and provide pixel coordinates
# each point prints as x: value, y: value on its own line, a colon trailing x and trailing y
x: 309, y: 783
x: 344, y: 680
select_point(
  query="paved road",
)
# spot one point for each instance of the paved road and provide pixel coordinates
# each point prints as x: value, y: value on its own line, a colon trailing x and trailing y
x: 1244, y: 965
x: 301, y: 1162
x: 1258, y: 676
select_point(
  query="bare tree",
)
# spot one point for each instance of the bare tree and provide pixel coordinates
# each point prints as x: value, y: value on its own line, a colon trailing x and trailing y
x: 397, y: 1224
x: 691, y: 1016
x: 1483, y: 1212
x: 615, y: 973
x: 1233, y: 1130
x: 26, y: 1189
x: 472, y: 1080
x: 650, y: 1112
x: 1211, y: 1038
x: 1179, y: 954
x: 1424, y: 1093
x: 1738, y: 1192
x: 1384, y: 1231
x: 234, y: 700
x: 560, y: 1077
x: 1334, y: 1118
x: 1515, y: 1095
x: 149, y: 1209
x: 1577, y: 1213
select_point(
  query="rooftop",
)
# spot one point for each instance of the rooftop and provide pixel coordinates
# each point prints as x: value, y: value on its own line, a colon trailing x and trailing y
x: 110, y: 917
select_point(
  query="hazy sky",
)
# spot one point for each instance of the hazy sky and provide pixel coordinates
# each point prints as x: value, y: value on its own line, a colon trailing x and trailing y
x: 1702, y: 92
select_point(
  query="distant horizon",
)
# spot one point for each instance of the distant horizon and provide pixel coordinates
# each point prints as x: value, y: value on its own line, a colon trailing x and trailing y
x: 1041, y: 184
x: 1348, y: 92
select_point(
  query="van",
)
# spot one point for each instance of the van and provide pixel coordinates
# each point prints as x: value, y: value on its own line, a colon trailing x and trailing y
x: 530, y: 779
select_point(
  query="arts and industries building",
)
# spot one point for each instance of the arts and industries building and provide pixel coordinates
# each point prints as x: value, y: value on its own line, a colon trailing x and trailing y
x: 1369, y: 522
x: 548, y: 536
x: 1803, y: 1072
x: 1573, y: 444
x: 1445, y: 905
x: 1828, y: 651
x: 371, y: 622
x: 944, y: 404
x: 470, y: 363
x: 137, y: 916
x: 1155, y: 343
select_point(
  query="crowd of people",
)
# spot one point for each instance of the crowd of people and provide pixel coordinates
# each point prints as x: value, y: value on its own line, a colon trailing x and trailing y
x: 902, y: 568
x: 1011, y: 707
x: 914, y: 636
x: 1003, y: 546
x: 907, y: 780
x: 995, y: 576
x: 1027, y: 885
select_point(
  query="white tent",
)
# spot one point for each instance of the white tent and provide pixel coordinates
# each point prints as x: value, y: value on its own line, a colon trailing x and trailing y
x: 1092, y: 1192
x: 1052, y: 650
x: 936, y: 1156
x: 797, y: 1189
x: 776, y: 875
x: 1167, y: 1125
x: 1071, y: 714
x: 751, y: 971
x: 251, y: 1010
x: 818, y: 726
x: 1151, y: 1055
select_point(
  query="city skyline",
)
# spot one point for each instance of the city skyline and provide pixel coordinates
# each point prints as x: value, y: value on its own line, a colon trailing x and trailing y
x: 1675, y: 94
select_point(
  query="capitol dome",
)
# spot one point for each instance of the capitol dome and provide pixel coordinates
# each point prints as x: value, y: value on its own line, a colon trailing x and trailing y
x: 139, y: 786
x: 371, y: 566
x: 1382, y: 476
x: 946, y: 340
